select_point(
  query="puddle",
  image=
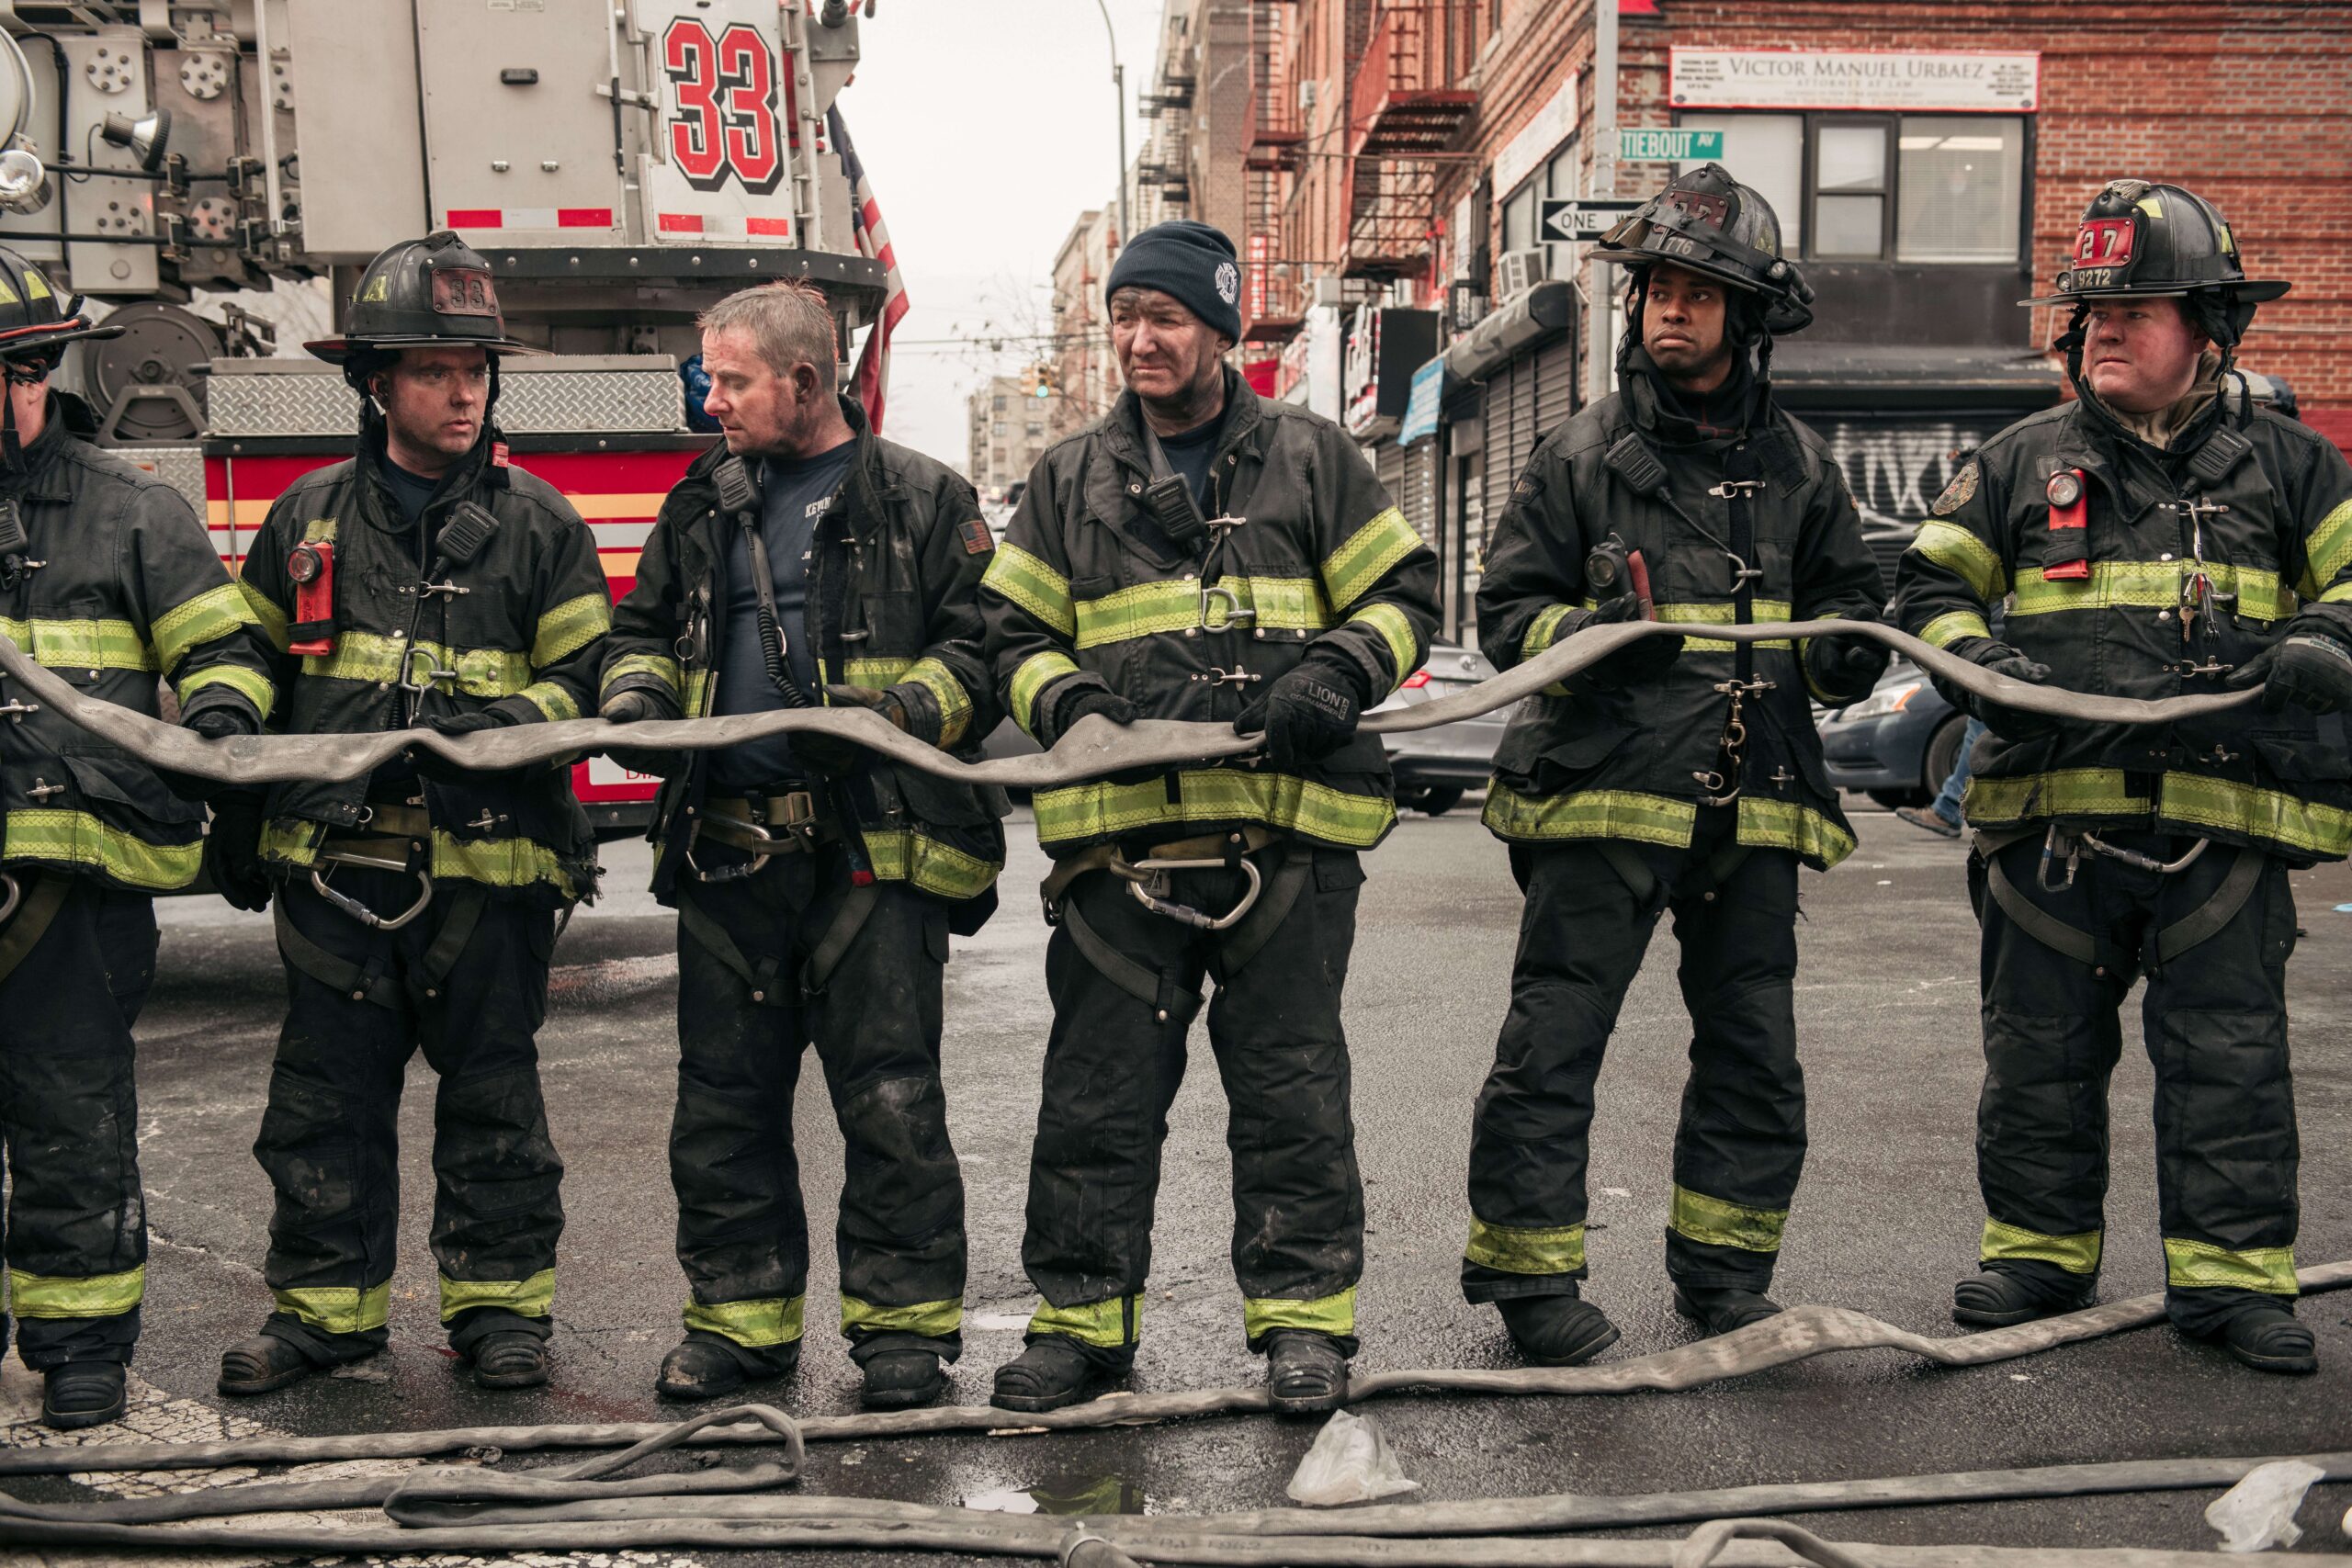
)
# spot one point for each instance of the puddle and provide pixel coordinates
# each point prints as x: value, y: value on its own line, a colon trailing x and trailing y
x: 1106, y: 1495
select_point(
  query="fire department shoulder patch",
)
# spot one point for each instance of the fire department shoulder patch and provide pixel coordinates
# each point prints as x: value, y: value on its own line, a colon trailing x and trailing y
x: 1958, y: 493
x: 978, y: 540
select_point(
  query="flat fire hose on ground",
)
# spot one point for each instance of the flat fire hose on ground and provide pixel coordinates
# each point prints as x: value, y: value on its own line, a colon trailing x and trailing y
x: 578, y: 1507
x: 1094, y: 746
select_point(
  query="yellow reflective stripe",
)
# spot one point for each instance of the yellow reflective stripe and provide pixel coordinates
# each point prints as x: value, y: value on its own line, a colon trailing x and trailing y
x: 876, y: 672
x: 1591, y: 813
x: 1717, y: 1222
x: 955, y: 703
x: 2256, y: 813
x: 2200, y: 1265
x: 1032, y: 584
x: 76, y: 838
x: 1791, y: 825
x: 497, y: 862
x: 91, y: 644
x: 1350, y: 571
x: 2327, y: 549
x: 700, y: 689
x: 2151, y: 585
x: 1947, y: 629
x: 1105, y: 1324
x: 251, y: 684
x: 375, y: 657
x: 1153, y: 609
x: 1515, y: 1249
x: 90, y: 1295
x: 318, y: 529
x: 291, y: 842
x: 1805, y: 659
x: 336, y: 1309
x: 1404, y: 647
x: 215, y: 613
x: 2338, y: 594
x: 2070, y: 792
x: 1543, y: 629
x: 272, y: 620
x: 2075, y: 1254
x: 1103, y: 810
x: 660, y: 666
x: 1261, y: 1315
x: 1036, y: 672
x: 1723, y: 613
x: 937, y: 1319
x: 1963, y: 555
x: 569, y: 628
x: 524, y: 1298
x: 754, y: 1324
x: 926, y: 865
x: 553, y: 701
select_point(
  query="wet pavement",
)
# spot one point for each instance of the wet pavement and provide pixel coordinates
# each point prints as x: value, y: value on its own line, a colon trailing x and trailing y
x: 1887, y: 1217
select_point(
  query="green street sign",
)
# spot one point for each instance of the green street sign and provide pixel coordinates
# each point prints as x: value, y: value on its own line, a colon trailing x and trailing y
x: 1667, y: 146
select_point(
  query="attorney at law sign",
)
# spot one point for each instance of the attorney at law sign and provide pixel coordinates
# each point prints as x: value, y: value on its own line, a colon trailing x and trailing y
x: 1954, y: 82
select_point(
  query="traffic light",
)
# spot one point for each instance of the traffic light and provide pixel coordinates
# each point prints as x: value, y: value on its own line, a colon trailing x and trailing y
x: 1044, y: 381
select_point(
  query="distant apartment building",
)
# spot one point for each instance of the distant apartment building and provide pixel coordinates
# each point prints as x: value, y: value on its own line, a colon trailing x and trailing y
x: 1008, y: 431
x: 1087, y: 376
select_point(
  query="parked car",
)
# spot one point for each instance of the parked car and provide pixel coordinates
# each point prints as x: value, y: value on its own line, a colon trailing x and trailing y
x: 1896, y: 745
x: 1435, y: 767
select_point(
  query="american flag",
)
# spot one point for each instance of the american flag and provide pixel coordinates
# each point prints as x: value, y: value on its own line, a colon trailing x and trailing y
x: 873, y: 378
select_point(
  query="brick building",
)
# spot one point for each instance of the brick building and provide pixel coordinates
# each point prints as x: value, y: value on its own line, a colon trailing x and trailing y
x: 1086, y: 376
x: 1008, y: 433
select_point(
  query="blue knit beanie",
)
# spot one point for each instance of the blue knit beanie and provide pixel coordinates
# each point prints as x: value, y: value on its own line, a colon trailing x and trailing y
x: 1190, y: 261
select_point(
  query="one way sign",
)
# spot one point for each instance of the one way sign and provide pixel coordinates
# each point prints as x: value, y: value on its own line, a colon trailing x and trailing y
x: 1583, y: 218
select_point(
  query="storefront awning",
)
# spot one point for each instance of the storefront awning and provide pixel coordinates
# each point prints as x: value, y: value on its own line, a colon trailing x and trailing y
x: 1547, y: 309
x: 1872, y: 375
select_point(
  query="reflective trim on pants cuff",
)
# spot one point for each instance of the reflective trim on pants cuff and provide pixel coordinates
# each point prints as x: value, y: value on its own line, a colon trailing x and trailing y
x: 2201, y: 1266
x: 1335, y: 1314
x: 1550, y: 1249
x: 937, y: 1319
x: 1109, y: 1325
x: 754, y: 1324
x: 524, y: 1297
x: 2005, y: 1243
x: 88, y: 1295
x: 337, y: 1309
x: 1694, y: 1216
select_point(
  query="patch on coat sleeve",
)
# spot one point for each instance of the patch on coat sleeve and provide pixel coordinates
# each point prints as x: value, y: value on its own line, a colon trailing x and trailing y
x: 1958, y: 493
x: 978, y: 540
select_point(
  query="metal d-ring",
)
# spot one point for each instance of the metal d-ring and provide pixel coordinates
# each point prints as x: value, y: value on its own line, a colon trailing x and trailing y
x: 15, y: 896
x: 1148, y: 880
x: 353, y: 906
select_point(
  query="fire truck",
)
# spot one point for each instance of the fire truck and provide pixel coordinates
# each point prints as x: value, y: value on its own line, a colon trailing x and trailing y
x: 213, y: 174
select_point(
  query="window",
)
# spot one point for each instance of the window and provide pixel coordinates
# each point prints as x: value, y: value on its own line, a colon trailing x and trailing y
x: 1937, y: 188
x: 999, y: 402
x: 999, y: 428
x: 1519, y: 217
x: 1036, y: 430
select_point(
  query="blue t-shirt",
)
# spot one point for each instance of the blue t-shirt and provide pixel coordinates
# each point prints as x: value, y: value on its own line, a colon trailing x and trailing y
x: 1194, y: 453
x: 794, y: 492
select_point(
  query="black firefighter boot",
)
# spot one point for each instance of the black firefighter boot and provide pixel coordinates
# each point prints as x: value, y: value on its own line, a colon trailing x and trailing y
x: 900, y: 1379
x: 1557, y: 1330
x: 1722, y: 1309
x: 2268, y: 1337
x: 2002, y: 1297
x: 90, y: 1393
x: 1306, y: 1372
x: 286, y: 1351
x: 711, y: 1365
x: 1055, y: 1370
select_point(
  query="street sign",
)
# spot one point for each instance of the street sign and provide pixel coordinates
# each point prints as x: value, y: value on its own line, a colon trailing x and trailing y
x: 1583, y: 218
x: 1660, y: 145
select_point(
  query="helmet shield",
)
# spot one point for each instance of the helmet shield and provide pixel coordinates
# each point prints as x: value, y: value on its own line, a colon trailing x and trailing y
x: 434, y: 292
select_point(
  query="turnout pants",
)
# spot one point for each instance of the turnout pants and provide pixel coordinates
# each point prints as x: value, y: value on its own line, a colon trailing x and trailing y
x: 768, y: 963
x: 468, y: 982
x: 2213, y: 940
x: 1125, y: 985
x: 76, y: 960
x: 1591, y: 911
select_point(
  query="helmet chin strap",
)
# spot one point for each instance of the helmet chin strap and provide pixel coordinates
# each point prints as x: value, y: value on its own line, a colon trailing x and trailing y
x: 15, y: 373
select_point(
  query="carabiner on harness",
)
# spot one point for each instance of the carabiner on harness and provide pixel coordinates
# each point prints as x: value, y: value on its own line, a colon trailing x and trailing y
x: 353, y: 906
x: 2058, y: 841
x: 1149, y: 881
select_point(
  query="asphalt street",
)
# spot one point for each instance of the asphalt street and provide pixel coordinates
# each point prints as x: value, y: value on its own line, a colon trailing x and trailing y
x: 1887, y: 1217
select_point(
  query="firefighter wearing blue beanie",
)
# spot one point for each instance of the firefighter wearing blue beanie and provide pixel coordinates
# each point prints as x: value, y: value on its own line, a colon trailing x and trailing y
x: 1194, y: 261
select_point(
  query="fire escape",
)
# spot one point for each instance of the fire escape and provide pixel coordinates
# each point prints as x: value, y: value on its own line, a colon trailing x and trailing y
x: 1274, y: 295
x: 1167, y: 158
x: 1405, y: 105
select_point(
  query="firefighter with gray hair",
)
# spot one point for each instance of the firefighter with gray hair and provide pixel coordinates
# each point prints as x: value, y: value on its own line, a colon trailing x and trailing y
x: 2160, y: 535
x: 804, y: 561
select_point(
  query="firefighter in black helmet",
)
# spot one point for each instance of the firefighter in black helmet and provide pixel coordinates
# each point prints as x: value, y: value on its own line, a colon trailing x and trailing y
x: 423, y: 583
x: 106, y: 576
x: 1678, y: 776
x: 2160, y: 535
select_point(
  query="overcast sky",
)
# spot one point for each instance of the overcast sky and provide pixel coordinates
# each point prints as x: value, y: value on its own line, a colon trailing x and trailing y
x: 986, y: 130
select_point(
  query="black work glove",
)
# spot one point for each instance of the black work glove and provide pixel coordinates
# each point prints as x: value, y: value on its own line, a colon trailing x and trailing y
x: 433, y: 765
x: 1073, y: 702
x: 1847, y: 668
x: 635, y: 705
x: 2309, y: 667
x: 889, y: 702
x: 1308, y: 714
x: 232, y: 851
x: 1636, y: 661
x: 2009, y: 723
x: 221, y: 721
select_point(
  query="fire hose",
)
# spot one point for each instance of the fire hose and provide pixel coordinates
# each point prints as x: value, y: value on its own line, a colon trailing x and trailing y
x: 1094, y: 746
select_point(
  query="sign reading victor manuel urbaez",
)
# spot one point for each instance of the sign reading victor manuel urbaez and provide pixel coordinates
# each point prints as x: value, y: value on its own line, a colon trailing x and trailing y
x: 1952, y: 82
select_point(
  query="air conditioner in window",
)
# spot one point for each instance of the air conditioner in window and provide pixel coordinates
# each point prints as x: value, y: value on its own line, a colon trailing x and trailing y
x: 1306, y: 95
x: 1516, y: 272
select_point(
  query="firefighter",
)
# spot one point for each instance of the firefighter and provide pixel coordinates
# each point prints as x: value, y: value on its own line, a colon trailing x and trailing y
x: 801, y: 562
x: 2160, y: 535
x: 422, y: 584
x: 107, y: 579
x: 1679, y: 775
x: 1202, y: 553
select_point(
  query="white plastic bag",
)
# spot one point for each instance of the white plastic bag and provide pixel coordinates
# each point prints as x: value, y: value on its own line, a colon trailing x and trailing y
x: 1351, y: 1463
x: 2258, y: 1513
